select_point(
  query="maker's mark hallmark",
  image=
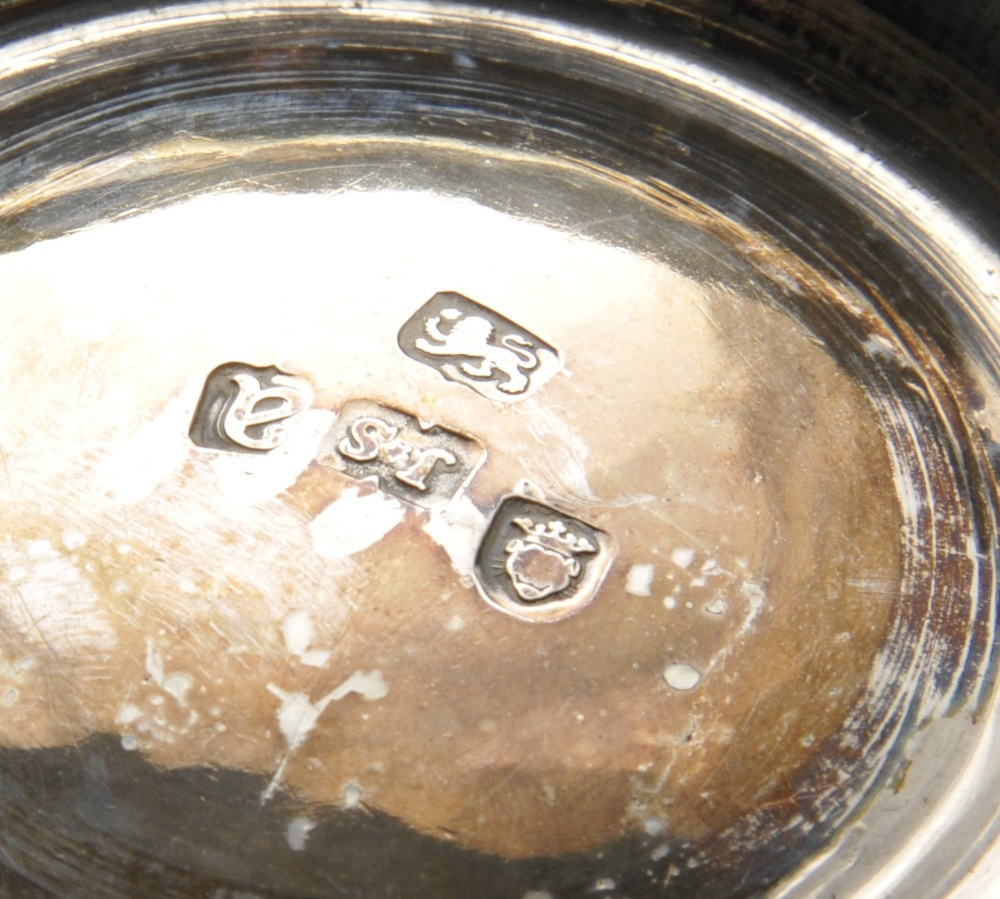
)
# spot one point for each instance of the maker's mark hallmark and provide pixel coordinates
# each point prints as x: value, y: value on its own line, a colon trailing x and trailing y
x: 539, y: 564
x: 475, y: 346
x: 246, y: 409
x: 423, y: 464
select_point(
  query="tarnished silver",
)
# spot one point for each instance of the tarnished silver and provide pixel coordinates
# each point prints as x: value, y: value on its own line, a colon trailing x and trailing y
x: 654, y: 555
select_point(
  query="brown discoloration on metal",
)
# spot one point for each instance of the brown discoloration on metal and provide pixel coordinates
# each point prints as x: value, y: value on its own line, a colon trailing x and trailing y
x: 525, y: 740
x: 828, y: 499
x: 318, y: 486
x: 723, y: 428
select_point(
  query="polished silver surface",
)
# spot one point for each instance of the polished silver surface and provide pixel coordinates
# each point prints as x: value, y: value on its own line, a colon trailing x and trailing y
x: 469, y: 452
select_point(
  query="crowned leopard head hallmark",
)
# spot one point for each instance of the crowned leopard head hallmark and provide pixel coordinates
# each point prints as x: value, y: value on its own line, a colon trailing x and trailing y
x: 538, y: 563
x: 544, y: 562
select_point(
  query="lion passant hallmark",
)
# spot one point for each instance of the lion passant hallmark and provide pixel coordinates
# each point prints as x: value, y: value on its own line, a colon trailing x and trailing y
x: 538, y: 563
x: 472, y: 345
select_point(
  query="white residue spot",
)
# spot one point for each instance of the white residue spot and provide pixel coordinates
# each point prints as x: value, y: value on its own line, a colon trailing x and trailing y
x: 368, y: 685
x: 74, y: 540
x: 316, y: 658
x: 640, y: 580
x: 458, y: 529
x: 178, y: 685
x: 130, y: 743
x: 298, y: 714
x: 297, y: 832
x: 38, y: 549
x: 9, y: 698
x: 454, y: 624
x: 603, y: 885
x: 299, y: 632
x: 669, y: 602
x: 755, y: 597
x: 682, y: 557
x: 354, y: 522
x: 154, y: 664
x: 879, y: 346
x: 17, y: 573
x: 352, y: 796
x: 246, y: 480
x: 681, y: 677
x: 717, y: 606
x: 653, y: 826
x: 128, y: 714
x: 660, y: 852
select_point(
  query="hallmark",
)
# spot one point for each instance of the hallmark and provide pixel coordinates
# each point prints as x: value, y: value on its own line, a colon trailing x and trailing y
x: 246, y: 409
x: 424, y: 464
x: 475, y: 346
x: 540, y: 564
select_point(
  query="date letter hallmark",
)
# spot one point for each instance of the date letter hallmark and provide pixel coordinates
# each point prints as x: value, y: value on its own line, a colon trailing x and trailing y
x: 425, y: 465
x: 539, y: 564
x: 246, y: 409
x: 473, y: 345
